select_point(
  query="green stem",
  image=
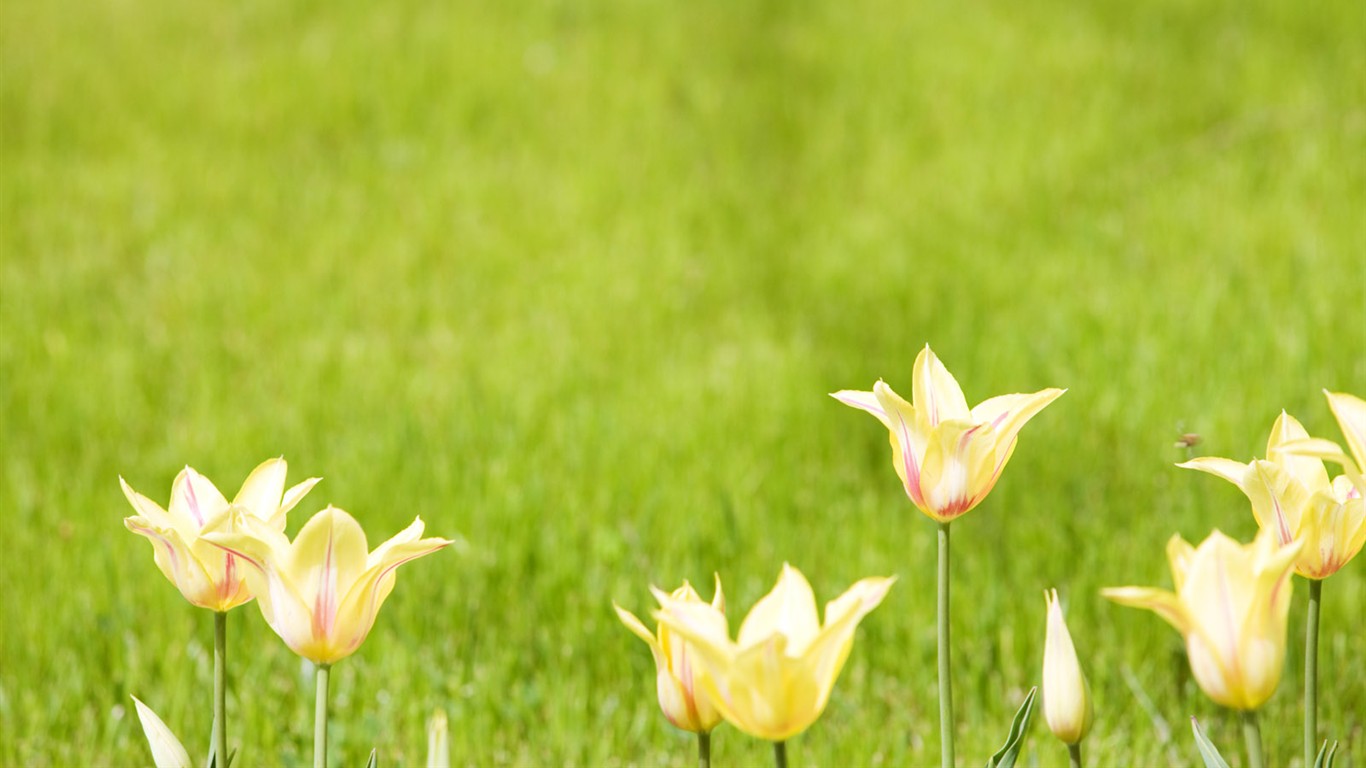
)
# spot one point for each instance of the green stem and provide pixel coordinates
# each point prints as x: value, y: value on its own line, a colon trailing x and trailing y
x: 704, y: 749
x: 1311, y: 675
x: 320, y: 719
x: 780, y: 754
x: 1252, y: 737
x: 218, y: 742
x: 945, y: 684
x: 1074, y: 755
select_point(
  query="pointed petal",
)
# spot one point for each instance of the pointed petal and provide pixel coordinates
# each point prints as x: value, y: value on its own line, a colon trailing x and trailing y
x: 908, y: 441
x: 262, y: 490
x: 935, y: 392
x: 178, y: 563
x: 829, y: 651
x: 1278, y: 499
x: 788, y: 610
x: 1007, y: 414
x: 362, y: 600
x: 1230, y: 470
x: 1160, y: 601
x: 639, y: 630
x: 167, y: 751
x: 864, y: 401
x: 146, y: 508
x: 1350, y: 411
x: 1308, y: 470
x: 1179, y: 555
x: 296, y: 494
x: 194, y: 499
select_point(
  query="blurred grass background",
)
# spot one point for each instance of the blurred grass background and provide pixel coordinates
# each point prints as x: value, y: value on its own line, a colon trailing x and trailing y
x: 572, y: 281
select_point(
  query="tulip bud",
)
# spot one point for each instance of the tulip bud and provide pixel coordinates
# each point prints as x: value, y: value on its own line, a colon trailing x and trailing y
x: 1066, y: 696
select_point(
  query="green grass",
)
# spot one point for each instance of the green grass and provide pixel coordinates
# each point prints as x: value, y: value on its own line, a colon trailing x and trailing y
x: 572, y: 281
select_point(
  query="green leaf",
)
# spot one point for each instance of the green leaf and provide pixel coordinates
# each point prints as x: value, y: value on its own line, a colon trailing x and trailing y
x: 1208, y: 752
x: 373, y: 762
x: 1019, y: 728
x: 1326, y: 760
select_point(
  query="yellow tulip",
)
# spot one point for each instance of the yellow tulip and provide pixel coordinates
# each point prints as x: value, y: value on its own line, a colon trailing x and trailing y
x: 1066, y: 695
x: 1292, y: 495
x: 682, y: 698
x: 321, y: 592
x: 1350, y: 411
x: 948, y: 456
x: 1230, y: 605
x: 775, y: 679
x: 206, y: 575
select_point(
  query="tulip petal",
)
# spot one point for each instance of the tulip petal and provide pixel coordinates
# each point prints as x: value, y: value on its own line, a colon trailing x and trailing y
x: 789, y: 609
x: 146, y: 508
x: 361, y: 603
x: 1308, y: 470
x: 1230, y: 470
x: 907, y: 439
x: 935, y: 391
x: 262, y: 490
x: 639, y: 630
x: 864, y: 401
x: 772, y: 694
x: 1350, y: 411
x: 1007, y: 414
x: 194, y: 499
x: 959, y: 468
x: 1160, y: 601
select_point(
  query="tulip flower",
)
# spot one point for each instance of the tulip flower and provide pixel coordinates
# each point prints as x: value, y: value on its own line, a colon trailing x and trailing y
x: 206, y: 575
x: 680, y: 697
x: 1292, y: 495
x: 677, y: 673
x: 1066, y: 695
x: 1350, y: 411
x: 1333, y: 525
x: 948, y: 457
x: 322, y: 592
x: 775, y: 679
x: 1231, y: 604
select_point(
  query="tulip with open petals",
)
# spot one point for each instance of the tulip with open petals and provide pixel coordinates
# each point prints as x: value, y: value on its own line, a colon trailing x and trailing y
x: 1230, y: 604
x: 683, y: 700
x: 1066, y: 696
x: 206, y: 575
x: 321, y: 592
x: 1292, y: 495
x: 1350, y: 411
x: 775, y: 679
x: 948, y: 456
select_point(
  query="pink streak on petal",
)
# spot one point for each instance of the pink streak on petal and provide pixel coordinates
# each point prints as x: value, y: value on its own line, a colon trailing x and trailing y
x: 325, y: 602
x: 193, y: 501
x: 908, y: 462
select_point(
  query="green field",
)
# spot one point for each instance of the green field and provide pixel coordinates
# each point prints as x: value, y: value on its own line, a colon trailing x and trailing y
x: 572, y: 281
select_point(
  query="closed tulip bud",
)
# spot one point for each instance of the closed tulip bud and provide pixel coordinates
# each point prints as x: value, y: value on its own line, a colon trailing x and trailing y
x: 948, y: 456
x: 167, y: 751
x: 1066, y: 695
x: 678, y: 675
x: 1231, y: 604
